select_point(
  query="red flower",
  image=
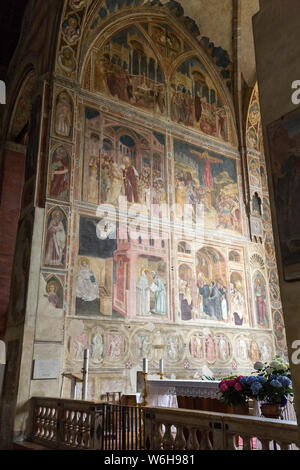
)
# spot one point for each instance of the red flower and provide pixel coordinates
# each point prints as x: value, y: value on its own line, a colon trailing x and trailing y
x: 238, y: 387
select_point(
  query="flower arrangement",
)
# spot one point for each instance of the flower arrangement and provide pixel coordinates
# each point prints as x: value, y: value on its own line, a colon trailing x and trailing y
x: 272, y: 385
x: 234, y: 391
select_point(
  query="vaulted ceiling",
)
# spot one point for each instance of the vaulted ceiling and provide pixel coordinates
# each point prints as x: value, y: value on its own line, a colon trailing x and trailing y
x: 215, y: 20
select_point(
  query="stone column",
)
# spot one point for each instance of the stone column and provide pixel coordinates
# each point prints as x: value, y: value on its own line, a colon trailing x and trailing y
x: 276, y: 34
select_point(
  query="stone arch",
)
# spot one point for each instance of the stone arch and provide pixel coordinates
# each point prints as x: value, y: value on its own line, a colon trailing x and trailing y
x: 98, y: 73
x: 234, y: 256
x: 21, y: 111
x: 211, y: 265
x: 185, y: 272
x: 184, y: 247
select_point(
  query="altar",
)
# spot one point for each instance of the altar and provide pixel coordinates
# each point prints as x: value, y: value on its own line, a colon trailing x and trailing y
x: 202, y: 395
x: 189, y: 394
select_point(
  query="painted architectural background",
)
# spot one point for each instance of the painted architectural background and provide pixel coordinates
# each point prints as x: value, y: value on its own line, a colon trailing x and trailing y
x: 142, y: 114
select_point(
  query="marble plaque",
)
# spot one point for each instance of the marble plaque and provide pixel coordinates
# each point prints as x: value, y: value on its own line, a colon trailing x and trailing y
x: 45, y: 369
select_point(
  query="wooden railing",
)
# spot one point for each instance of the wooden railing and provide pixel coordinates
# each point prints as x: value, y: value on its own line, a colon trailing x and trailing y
x: 73, y: 424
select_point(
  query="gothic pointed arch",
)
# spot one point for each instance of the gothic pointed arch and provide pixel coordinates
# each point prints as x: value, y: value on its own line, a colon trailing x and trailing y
x: 152, y: 66
x: 149, y: 56
x: 253, y: 125
x: 20, y: 117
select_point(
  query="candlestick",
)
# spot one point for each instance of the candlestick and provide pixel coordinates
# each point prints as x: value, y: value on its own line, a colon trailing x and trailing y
x: 85, y: 372
x: 145, y: 366
x: 161, y: 369
x: 144, y: 394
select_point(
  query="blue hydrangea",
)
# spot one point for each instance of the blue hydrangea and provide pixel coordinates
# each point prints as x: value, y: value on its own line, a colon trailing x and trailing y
x: 263, y: 379
x: 285, y: 381
x: 247, y: 380
x: 244, y: 381
x: 275, y: 383
x: 256, y: 387
x: 253, y: 380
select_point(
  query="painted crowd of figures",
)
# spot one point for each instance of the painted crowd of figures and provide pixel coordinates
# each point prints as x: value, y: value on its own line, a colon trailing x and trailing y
x: 125, y: 180
x: 213, y: 300
x: 201, y: 110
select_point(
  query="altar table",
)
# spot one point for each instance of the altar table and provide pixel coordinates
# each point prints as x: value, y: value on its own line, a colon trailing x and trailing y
x: 188, y: 394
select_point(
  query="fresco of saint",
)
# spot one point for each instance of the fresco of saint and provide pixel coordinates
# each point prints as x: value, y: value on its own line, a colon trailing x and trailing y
x: 64, y: 115
x: 115, y: 346
x: 254, y: 351
x: 66, y: 61
x: 87, y: 284
x: 196, y: 347
x: 56, y: 240
x: 242, y: 349
x: 130, y: 176
x: 210, y: 348
x: 224, y: 349
x: 52, y: 288
x: 159, y: 289
x: 173, y: 348
x: 260, y: 295
x: 60, y: 168
x: 143, y: 295
x: 97, y: 347
x: 71, y: 28
x: 187, y: 304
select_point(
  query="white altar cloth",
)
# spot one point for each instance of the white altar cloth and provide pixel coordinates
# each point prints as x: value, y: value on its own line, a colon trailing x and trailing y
x: 165, y: 392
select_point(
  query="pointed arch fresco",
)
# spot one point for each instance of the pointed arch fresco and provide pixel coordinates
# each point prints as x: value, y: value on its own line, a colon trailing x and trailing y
x: 156, y: 66
x: 253, y: 126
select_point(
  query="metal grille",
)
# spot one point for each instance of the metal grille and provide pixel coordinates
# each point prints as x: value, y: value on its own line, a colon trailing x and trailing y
x: 122, y: 428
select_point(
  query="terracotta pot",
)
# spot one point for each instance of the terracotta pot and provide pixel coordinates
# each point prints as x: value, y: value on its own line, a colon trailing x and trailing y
x: 271, y: 411
x: 240, y: 409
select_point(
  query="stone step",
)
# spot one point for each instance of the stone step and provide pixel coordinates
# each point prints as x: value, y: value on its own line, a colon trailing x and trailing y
x: 26, y: 445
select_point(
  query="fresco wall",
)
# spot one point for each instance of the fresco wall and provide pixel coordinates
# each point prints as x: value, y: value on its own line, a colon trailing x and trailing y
x: 148, y: 248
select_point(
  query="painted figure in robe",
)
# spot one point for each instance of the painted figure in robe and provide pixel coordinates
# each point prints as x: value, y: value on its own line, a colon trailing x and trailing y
x: 60, y: 174
x: 260, y: 300
x: 63, y: 115
x: 158, y: 287
x: 143, y: 295
x: 87, y: 287
x: 55, y: 241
